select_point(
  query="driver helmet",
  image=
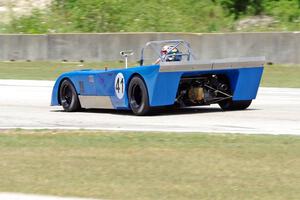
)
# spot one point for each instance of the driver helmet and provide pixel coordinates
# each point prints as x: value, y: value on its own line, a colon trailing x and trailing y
x: 170, y: 53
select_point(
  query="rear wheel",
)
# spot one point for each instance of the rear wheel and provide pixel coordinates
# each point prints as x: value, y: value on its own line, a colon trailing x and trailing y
x: 235, y: 105
x: 68, y: 96
x: 138, y: 96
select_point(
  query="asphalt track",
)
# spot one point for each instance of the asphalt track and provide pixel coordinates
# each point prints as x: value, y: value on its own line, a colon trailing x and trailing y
x: 26, y: 104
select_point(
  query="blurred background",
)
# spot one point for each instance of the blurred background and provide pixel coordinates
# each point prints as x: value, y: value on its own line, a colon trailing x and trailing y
x: 42, y: 38
x: 60, y: 16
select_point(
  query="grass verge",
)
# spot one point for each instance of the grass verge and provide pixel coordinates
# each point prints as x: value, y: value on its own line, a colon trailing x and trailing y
x: 148, y: 166
x: 42, y: 70
x: 281, y: 76
x: 274, y: 75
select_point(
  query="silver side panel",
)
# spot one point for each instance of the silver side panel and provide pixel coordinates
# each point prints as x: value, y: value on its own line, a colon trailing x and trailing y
x: 95, y: 102
x: 228, y: 63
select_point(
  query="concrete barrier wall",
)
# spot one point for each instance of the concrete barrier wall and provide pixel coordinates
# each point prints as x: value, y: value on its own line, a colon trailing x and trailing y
x: 23, y: 47
x: 277, y: 47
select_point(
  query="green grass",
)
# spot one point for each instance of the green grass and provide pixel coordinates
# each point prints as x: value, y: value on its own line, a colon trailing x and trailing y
x: 274, y: 75
x: 65, y: 16
x: 48, y: 70
x: 281, y: 76
x: 148, y: 166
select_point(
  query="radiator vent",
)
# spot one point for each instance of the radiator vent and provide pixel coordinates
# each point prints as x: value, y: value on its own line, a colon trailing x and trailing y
x: 81, y: 87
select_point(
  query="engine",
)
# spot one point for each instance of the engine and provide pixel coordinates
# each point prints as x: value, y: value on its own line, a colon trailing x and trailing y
x: 203, y: 90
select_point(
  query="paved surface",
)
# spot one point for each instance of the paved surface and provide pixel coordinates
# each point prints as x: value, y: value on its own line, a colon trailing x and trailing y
x: 25, y: 104
x: 18, y: 196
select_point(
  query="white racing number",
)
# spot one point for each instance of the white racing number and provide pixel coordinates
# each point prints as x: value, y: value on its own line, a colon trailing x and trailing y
x: 119, y: 85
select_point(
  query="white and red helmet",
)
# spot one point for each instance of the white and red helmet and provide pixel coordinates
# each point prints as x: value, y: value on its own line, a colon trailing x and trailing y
x: 168, y: 49
x: 170, y: 52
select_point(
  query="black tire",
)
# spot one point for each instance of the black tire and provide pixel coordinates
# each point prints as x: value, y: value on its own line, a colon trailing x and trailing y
x: 138, y: 96
x: 68, y: 97
x: 235, y: 105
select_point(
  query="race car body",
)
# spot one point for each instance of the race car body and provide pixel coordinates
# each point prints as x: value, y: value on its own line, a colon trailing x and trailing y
x: 176, y: 78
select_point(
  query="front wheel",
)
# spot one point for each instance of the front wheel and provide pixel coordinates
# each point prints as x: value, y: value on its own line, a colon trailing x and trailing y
x: 68, y: 96
x: 138, y: 96
x: 235, y: 105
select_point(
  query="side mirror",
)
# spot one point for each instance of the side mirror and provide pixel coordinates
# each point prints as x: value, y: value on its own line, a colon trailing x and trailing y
x: 125, y: 54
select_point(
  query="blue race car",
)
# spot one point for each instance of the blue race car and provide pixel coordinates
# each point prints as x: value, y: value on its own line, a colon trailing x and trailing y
x: 168, y: 74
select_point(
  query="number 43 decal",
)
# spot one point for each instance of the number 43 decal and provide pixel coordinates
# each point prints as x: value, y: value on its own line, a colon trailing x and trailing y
x: 119, y: 85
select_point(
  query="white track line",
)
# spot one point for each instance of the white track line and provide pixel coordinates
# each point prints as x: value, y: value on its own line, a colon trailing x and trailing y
x: 149, y: 130
x: 20, y: 196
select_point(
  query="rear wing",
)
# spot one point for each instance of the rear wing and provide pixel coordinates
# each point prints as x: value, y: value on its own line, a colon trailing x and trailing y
x: 227, y: 63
